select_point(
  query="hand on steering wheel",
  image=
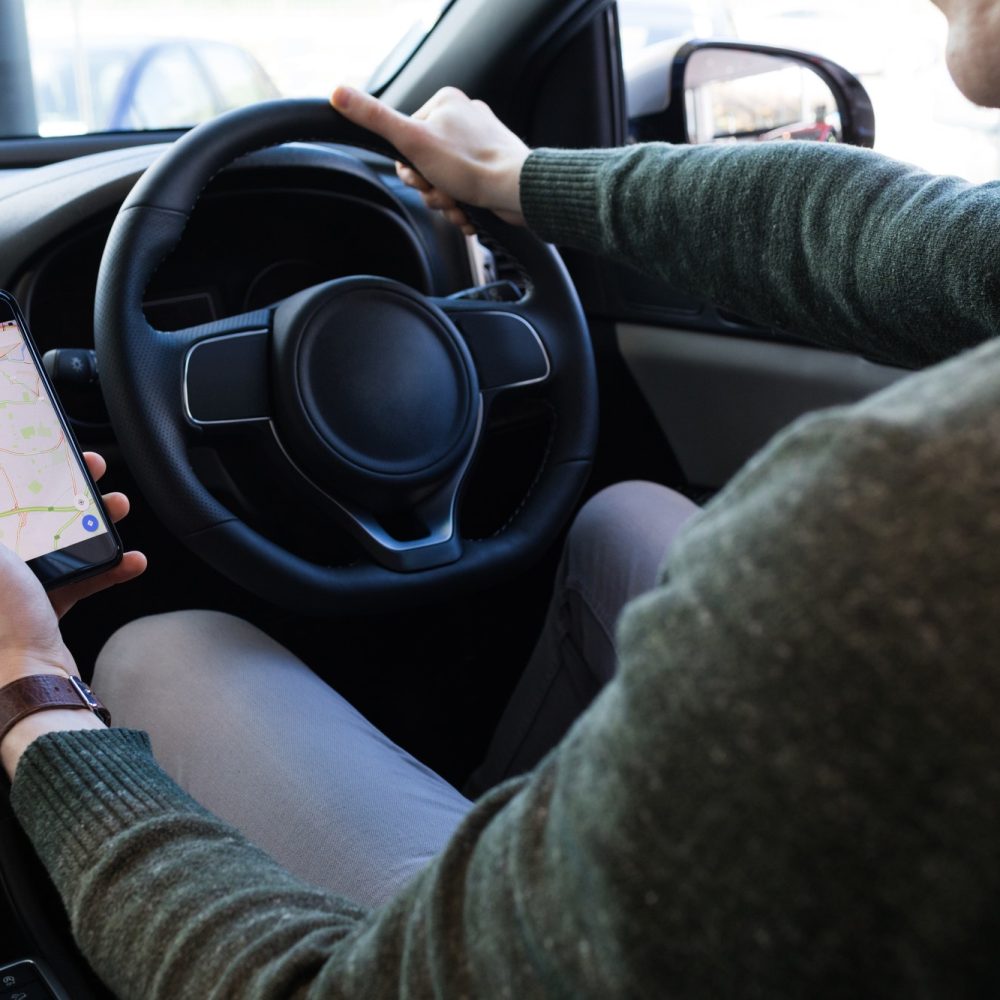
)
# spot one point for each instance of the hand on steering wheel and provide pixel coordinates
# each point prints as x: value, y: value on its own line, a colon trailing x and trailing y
x: 459, y: 152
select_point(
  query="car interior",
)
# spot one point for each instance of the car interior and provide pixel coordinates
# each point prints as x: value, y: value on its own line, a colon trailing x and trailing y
x: 602, y: 375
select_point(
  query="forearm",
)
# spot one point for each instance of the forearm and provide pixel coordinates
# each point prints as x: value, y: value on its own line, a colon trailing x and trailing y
x: 839, y: 245
x: 790, y: 783
x: 165, y: 899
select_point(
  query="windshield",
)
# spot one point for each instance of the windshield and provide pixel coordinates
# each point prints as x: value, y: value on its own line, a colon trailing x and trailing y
x: 79, y: 66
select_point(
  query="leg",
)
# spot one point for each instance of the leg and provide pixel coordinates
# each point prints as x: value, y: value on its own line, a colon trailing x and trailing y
x: 613, y: 553
x: 255, y: 736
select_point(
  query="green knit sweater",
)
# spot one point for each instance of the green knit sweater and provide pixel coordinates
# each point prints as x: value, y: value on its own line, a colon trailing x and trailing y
x: 792, y: 787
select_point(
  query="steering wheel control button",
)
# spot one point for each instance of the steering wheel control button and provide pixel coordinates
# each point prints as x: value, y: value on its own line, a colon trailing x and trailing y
x: 225, y: 379
x: 376, y: 392
x: 507, y: 350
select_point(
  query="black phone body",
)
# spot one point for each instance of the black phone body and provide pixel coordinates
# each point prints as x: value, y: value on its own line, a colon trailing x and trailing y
x: 51, y: 512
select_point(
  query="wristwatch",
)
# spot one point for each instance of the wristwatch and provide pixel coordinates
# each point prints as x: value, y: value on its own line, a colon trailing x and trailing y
x: 39, y: 692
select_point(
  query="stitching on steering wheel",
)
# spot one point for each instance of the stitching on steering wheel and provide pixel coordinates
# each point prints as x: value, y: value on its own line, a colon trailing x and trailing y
x: 542, y: 466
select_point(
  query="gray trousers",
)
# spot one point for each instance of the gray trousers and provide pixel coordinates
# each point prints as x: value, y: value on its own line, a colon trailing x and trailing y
x: 255, y: 736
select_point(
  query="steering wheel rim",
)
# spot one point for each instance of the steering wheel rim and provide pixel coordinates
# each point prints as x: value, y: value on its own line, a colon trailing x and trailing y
x: 144, y: 375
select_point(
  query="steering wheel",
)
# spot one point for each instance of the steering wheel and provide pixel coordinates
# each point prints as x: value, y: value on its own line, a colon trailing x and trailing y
x: 375, y: 394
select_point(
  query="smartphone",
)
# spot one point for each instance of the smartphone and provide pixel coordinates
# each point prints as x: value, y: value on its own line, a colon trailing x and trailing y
x: 51, y: 512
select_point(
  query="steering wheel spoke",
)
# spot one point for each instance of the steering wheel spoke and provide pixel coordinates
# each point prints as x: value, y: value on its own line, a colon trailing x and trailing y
x: 505, y: 345
x: 226, y: 378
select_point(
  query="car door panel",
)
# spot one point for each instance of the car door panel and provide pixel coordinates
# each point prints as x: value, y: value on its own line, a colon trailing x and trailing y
x: 718, y: 399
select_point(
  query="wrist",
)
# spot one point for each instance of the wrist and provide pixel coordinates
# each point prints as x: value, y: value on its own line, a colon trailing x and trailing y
x: 43, y: 698
x: 18, y: 663
x: 57, y: 720
x: 505, y: 186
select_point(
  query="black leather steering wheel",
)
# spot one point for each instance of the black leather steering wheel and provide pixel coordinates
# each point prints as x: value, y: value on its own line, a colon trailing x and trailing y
x: 375, y: 394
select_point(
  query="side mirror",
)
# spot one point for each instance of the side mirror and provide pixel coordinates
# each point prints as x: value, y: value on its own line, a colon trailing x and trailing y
x: 738, y: 92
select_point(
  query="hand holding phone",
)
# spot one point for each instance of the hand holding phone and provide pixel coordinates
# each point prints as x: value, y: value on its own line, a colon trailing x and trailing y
x: 133, y: 563
x: 51, y: 512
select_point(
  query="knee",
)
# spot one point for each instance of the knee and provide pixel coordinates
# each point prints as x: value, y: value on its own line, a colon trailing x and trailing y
x: 139, y: 646
x: 615, y: 513
x: 602, y: 513
x: 623, y: 520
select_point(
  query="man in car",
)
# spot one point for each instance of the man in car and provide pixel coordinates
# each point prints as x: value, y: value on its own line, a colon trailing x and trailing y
x: 791, y: 786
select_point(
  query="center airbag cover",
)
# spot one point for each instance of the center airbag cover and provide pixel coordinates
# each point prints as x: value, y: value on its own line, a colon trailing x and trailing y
x: 375, y: 384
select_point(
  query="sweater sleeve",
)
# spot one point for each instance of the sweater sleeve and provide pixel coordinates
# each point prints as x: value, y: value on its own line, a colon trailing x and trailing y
x: 836, y: 244
x: 789, y: 789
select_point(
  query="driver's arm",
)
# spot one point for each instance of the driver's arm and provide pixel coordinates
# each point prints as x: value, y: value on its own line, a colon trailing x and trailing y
x: 790, y: 788
x: 798, y: 757
x: 848, y: 248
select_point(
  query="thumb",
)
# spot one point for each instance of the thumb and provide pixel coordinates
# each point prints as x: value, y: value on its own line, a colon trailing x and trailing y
x: 370, y: 113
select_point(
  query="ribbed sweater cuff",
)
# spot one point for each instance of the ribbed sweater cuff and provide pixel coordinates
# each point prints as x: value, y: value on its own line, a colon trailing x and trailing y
x: 560, y: 194
x: 73, y: 791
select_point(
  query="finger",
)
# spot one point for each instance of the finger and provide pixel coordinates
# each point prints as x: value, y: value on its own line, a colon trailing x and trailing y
x: 372, y: 114
x: 133, y: 564
x: 95, y: 464
x: 412, y: 178
x: 458, y: 218
x: 446, y: 95
x: 117, y: 505
x: 438, y: 200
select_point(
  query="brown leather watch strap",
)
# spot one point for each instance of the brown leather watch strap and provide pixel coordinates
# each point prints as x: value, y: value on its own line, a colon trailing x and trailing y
x: 39, y: 692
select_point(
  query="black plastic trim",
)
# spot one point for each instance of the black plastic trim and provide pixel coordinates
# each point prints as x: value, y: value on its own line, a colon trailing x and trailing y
x: 32, y: 151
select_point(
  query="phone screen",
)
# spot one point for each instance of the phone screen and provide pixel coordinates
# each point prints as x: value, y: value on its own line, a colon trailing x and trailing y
x: 50, y: 514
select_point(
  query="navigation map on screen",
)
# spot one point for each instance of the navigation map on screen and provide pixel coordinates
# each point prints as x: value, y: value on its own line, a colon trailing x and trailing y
x: 45, y: 500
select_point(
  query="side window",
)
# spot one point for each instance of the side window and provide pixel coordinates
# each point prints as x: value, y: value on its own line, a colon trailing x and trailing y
x: 895, y: 47
x: 649, y: 22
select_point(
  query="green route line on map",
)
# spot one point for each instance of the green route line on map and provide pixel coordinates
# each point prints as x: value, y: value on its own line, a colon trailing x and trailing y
x: 38, y: 510
x: 57, y: 537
